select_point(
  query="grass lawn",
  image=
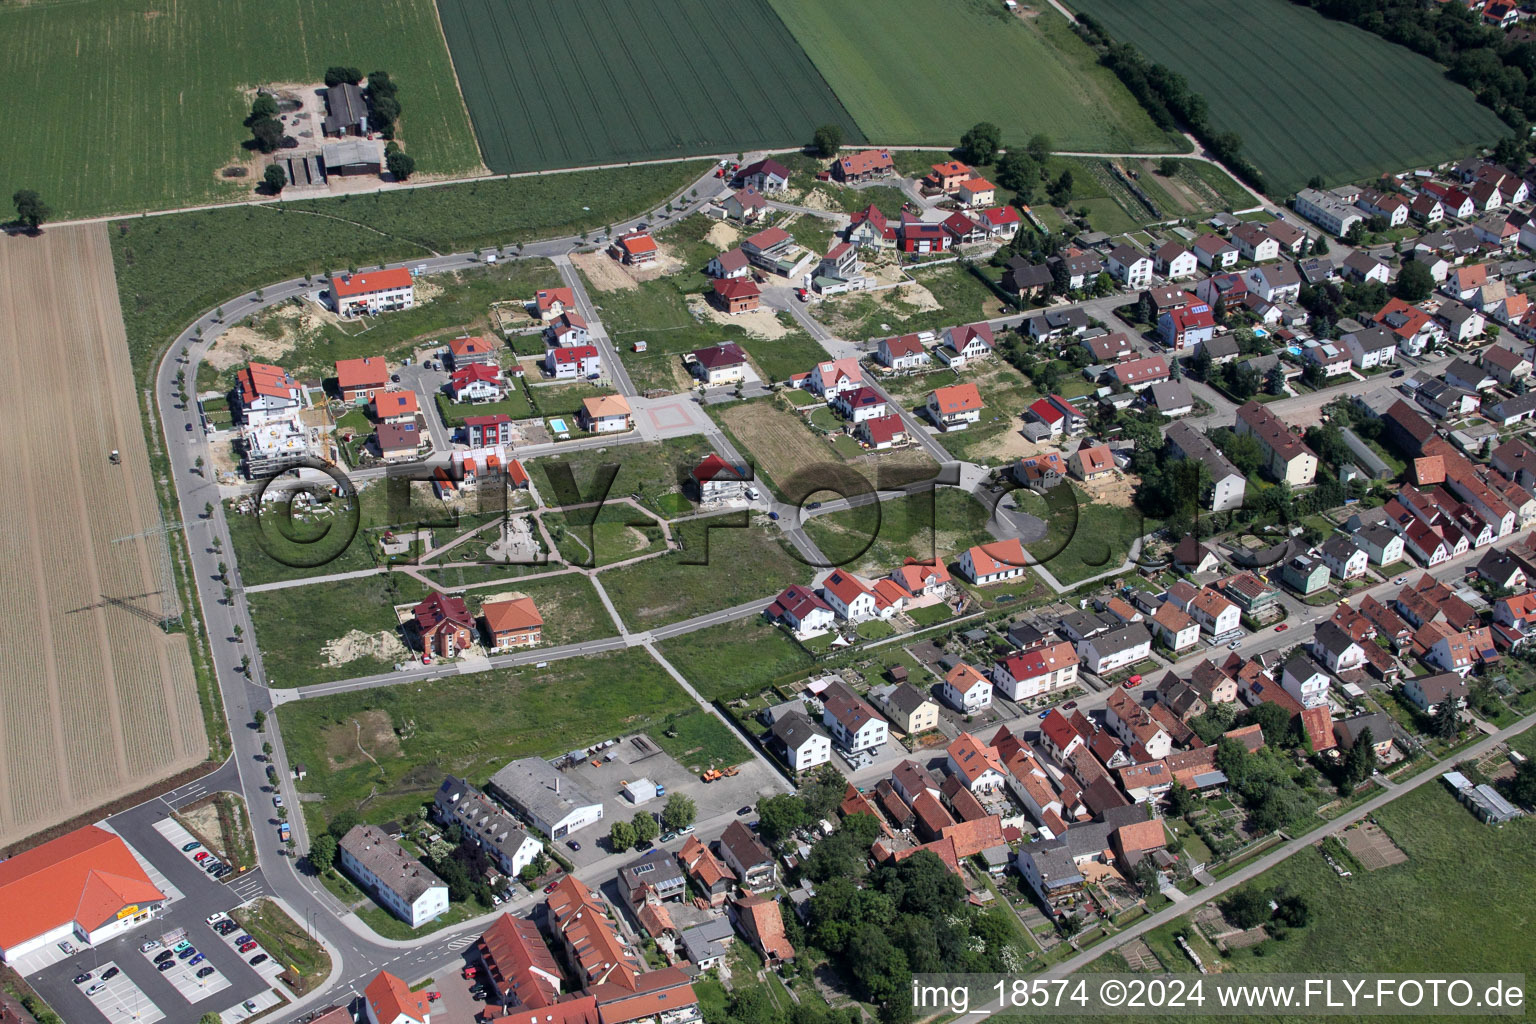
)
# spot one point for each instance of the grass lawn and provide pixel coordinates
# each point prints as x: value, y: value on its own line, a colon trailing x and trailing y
x: 656, y: 80
x: 960, y: 294
x: 178, y: 74
x: 719, y: 566
x: 888, y: 198
x: 1084, y: 538
x: 864, y: 51
x: 734, y: 658
x: 650, y: 470
x: 602, y: 536
x: 169, y: 269
x: 294, y: 624
x: 286, y: 941
x: 391, y: 927
x: 470, y: 726
x: 273, y: 547
x: 1005, y: 394
x: 515, y: 405
x: 565, y: 399
x: 699, y: 740
x: 876, y: 538
x: 1346, y: 123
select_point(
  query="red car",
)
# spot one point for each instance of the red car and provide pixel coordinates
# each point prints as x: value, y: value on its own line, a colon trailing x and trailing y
x: 246, y: 947
x: 470, y: 972
x: 433, y: 997
x: 200, y: 856
x: 1282, y: 628
x: 551, y: 887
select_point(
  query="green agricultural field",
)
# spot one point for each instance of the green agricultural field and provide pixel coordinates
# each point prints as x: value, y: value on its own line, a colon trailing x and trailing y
x: 556, y: 84
x: 736, y: 657
x: 172, y: 268
x: 923, y: 71
x: 125, y: 105
x: 1361, y: 107
x: 651, y: 470
x: 391, y: 746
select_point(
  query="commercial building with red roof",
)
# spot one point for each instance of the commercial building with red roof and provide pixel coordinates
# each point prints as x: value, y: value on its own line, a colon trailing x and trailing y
x: 86, y: 886
x: 378, y: 291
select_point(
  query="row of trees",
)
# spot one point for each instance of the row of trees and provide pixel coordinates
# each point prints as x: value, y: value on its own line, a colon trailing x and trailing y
x: 679, y: 813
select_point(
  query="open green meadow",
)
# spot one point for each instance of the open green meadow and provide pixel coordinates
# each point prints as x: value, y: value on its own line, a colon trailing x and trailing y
x: 877, y: 538
x: 123, y: 105
x: 923, y: 71
x: 1357, y: 106
x: 556, y: 84
x: 384, y: 751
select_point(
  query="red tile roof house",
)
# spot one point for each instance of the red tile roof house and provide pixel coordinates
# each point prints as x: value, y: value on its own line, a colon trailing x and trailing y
x: 1001, y: 560
x: 512, y: 623
x: 948, y: 175
x: 395, y: 406
x: 760, y: 923
x: 714, y: 479
x: 954, y: 407
x: 922, y: 236
x: 388, y: 1000
x: 468, y: 349
x: 965, y: 343
x: 85, y: 885
x: 864, y: 165
x: 573, y: 362
x: 568, y: 329
x: 635, y: 249
x: 849, y: 597
x: 551, y: 302
x: 358, y: 379
x: 732, y: 263
x: 398, y: 440
x: 801, y: 610
x: 444, y: 625
x: 882, y: 432
x: 518, y: 965
x: 746, y: 205
x: 903, y: 353
x: 736, y: 294
x: 267, y: 393
x: 1136, y: 374
x: 767, y: 175
x: 870, y: 228
x: 378, y: 291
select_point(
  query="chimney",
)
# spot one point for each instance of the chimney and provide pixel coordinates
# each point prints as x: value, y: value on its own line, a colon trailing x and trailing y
x: 557, y: 785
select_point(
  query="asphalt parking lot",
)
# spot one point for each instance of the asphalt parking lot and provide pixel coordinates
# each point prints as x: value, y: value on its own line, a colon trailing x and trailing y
x: 183, y: 975
x: 631, y: 762
x: 119, y: 999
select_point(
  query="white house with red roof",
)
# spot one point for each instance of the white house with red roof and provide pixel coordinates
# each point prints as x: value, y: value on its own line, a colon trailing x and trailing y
x: 85, y: 886
x: 568, y: 329
x: 922, y: 579
x: 975, y: 763
x: 388, y: 1000
x: 467, y: 349
x: 573, y: 362
x: 1193, y: 325
x: 964, y: 229
x: 1047, y: 415
x: 832, y: 378
x: 849, y: 597
x: 395, y: 406
x: 802, y: 611
x: 1136, y: 374
x: 745, y: 205
x: 1038, y: 670
x: 965, y: 343
x: 872, y: 229
x: 882, y: 432
x: 267, y: 394
x: 551, y: 302
x: 487, y: 431
x: 717, y: 480
x: 1175, y: 262
x: 1058, y: 737
x: 732, y: 263
x: 954, y: 406
x: 993, y: 563
x: 902, y: 353
x: 378, y: 291
x: 766, y: 175
x: 1001, y: 222
x: 860, y: 404
x: 1091, y: 462
x: 851, y: 721
x: 966, y: 690
x: 725, y: 363
x: 975, y: 192
x: 476, y: 383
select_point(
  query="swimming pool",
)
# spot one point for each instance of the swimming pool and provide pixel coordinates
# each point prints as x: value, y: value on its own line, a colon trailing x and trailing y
x: 1259, y: 332
x: 558, y: 426
x: 1294, y: 350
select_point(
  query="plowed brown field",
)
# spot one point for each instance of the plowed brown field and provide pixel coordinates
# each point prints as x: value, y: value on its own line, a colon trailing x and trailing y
x: 95, y: 701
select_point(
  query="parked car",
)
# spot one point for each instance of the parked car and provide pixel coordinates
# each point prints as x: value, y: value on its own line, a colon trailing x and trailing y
x: 96, y: 988
x: 1069, y: 705
x: 224, y: 927
x: 211, y: 918
x: 166, y: 957
x: 394, y: 378
x: 259, y: 958
x: 551, y: 887
x: 1282, y: 627
x: 222, y: 871
x: 573, y: 844
x: 148, y: 945
x: 201, y: 855
x: 189, y: 847
x: 277, y: 799
x: 1044, y: 714
x: 165, y: 965
x: 183, y: 944
x: 242, y: 940
x: 1397, y: 373
x: 110, y: 973
x: 246, y: 947
x: 204, y: 972
x: 81, y: 979
x: 743, y: 810
x: 199, y: 958
x: 66, y: 948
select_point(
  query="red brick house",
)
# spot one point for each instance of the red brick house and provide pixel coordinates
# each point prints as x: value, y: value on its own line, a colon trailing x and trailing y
x: 444, y: 624
x: 736, y: 294
x: 514, y: 623
x: 361, y: 378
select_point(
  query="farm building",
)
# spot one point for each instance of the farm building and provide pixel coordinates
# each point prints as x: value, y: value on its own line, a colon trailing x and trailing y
x: 346, y: 110
x: 352, y: 157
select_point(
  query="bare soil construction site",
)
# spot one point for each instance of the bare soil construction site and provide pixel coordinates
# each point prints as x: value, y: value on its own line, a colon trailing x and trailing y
x: 95, y: 700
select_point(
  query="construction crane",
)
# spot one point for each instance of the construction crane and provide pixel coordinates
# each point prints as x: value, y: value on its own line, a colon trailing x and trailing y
x: 160, y: 552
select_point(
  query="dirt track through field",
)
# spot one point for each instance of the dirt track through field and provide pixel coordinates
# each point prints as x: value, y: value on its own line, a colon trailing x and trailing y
x: 95, y: 701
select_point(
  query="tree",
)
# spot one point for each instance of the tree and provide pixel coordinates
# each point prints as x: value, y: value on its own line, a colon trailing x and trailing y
x: 621, y: 836
x: 1247, y: 907
x: 322, y: 851
x: 266, y: 750
x: 260, y: 718
x: 1039, y: 147
x: 1061, y: 188
x: 1274, y: 720
x: 981, y: 143
x: 1360, y: 762
x: 31, y: 211
x: 645, y: 826
x: 263, y: 106
x: 1146, y: 311
x: 1522, y: 788
x: 1061, y: 276
x: 779, y: 816
x: 1167, y: 167
x: 1356, y: 233
x: 207, y: 510
x: 827, y: 140
x: 1320, y: 247
x: 1180, y: 800
x: 275, y: 178
x: 1019, y: 172
x: 336, y: 75
x: 210, y: 1018
x: 1200, y: 365
x: 400, y: 164
x: 679, y: 812
x: 267, y: 133
x: 1274, y: 380
x: 344, y: 821
x: 1312, y: 375
x: 1447, y: 718
x: 1414, y: 282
